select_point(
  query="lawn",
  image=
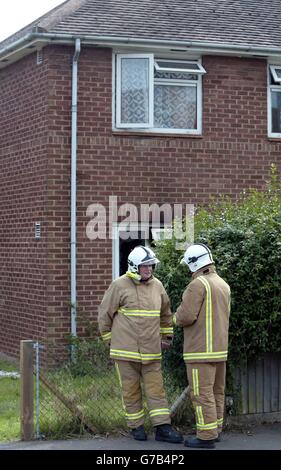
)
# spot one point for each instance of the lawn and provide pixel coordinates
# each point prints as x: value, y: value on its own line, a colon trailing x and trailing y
x: 9, y: 404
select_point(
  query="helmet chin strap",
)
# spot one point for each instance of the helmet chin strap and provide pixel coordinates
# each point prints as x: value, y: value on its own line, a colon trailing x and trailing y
x: 137, y: 277
x: 145, y: 280
x: 196, y: 258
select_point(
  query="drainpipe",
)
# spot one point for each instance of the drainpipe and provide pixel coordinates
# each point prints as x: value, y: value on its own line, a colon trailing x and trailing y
x: 73, y: 186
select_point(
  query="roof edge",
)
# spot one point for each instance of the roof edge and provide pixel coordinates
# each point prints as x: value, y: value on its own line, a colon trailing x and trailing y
x: 112, y: 41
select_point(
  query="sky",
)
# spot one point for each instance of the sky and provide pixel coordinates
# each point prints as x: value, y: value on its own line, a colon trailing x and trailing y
x: 15, y: 14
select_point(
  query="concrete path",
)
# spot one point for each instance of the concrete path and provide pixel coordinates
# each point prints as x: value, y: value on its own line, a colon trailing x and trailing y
x: 262, y: 437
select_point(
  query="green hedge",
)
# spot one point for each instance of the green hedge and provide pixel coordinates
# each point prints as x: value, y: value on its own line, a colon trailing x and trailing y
x: 245, y: 239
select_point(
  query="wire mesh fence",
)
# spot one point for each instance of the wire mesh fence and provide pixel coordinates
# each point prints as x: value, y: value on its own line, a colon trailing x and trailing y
x: 78, y: 392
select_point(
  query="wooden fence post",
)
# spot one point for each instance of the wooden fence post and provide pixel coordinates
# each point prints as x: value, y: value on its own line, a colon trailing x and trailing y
x: 26, y: 390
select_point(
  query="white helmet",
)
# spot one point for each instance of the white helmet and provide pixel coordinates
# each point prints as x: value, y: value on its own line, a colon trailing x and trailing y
x: 141, y: 255
x: 197, y: 256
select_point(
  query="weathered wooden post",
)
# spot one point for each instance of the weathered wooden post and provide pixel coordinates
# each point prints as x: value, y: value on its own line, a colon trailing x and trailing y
x: 26, y: 390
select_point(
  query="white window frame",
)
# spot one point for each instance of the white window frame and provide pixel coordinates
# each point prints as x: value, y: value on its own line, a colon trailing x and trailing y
x: 273, y: 69
x: 199, y: 70
x: 149, y: 127
x: 270, y: 88
x: 119, y: 58
x: 162, y: 233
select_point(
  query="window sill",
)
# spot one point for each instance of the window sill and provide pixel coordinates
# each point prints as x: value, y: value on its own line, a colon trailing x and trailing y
x: 156, y: 134
x: 274, y: 139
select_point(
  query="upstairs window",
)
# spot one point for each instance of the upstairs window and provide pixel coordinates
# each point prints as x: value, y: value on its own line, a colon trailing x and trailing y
x: 276, y: 73
x: 274, y: 101
x: 158, y: 95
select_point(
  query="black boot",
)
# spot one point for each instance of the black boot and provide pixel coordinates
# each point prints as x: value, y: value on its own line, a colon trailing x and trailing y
x: 166, y: 433
x: 195, y: 442
x: 139, y: 433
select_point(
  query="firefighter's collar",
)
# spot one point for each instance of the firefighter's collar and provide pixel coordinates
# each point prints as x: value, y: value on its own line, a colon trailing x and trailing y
x: 204, y: 271
x: 136, y: 278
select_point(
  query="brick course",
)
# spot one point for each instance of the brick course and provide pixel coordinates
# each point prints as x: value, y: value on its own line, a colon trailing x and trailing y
x: 233, y: 154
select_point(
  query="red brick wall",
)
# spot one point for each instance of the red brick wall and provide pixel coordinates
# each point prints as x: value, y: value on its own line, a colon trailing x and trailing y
x: 233, y: 154
x: 23, y: 147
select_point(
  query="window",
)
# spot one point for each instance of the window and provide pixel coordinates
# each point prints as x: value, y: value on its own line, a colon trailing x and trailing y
x: 162, y: 233
x: 178, y: 66
x: 276, y: 73
x: 274, y: 101
x: 159, y: 95
x: 127, y: 237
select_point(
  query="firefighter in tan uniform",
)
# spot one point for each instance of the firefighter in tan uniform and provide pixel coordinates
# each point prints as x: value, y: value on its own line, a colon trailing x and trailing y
x: 134, y: 317
x: 204, y: 314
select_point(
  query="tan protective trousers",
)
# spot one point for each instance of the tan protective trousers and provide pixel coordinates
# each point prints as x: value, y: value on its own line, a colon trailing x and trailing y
x: 207, y: 383
x: 130, y: 375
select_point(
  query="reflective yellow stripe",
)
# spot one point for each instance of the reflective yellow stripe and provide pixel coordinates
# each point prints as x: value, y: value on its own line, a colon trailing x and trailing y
x: 209, y: 314
x: 195, y: 382
x: 133, y: 416
x: 204, y: 355
x: 123, y: 309
x: 147, y: 356
x: 135, y: 355
x: 220, y: 421
x: 207, y: 426
x: 121, y: 353
x: 118, y: 374
x: 166, y: 330
x: 199, y: 415
x: 139, y: 313
x: 160, y: 411
x: 120, y: 383
x: 200, y: 420
x: 106, y: 336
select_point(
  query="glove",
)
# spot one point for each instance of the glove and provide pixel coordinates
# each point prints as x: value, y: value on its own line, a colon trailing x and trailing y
x: 165, y: 345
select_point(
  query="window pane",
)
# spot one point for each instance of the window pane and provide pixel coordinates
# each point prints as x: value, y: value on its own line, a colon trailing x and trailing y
x: 174, y: 75
x: 276, y: 111
x: 181, y: 66
x: 175, y: 107
x: 134, y: 90
x: 178, y: 65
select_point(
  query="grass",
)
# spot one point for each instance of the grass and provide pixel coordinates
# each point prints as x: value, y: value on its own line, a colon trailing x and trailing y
x: 9, y: 404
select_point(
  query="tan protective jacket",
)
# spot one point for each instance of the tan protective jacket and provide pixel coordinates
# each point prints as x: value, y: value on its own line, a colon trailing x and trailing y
x: 132, y: 316
x: 204, y: 314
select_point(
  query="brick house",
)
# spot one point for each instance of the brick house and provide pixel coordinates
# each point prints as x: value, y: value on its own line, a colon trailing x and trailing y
x: 144, y: 101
